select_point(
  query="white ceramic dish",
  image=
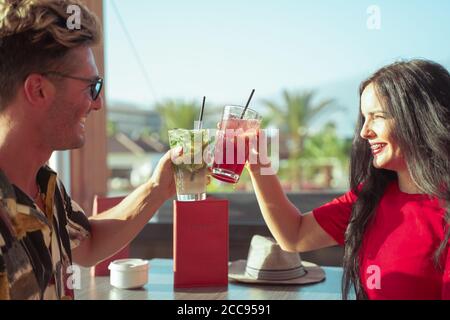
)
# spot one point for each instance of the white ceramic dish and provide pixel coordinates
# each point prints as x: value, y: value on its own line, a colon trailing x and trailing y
x: 128, y: 273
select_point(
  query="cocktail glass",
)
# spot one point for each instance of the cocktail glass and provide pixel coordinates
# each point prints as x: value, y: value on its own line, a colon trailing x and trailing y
x: 233, y: 142
x: 190, y: 167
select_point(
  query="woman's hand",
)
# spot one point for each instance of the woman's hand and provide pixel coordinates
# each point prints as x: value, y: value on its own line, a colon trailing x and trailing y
x: 259, y: 161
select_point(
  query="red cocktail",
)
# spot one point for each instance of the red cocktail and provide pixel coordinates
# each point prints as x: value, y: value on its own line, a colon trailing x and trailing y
x: 233, y: 140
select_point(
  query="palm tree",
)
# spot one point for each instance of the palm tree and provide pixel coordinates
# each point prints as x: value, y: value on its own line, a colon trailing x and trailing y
x: 327, y: 145
x: 177, y: 114
x: 293, y: 117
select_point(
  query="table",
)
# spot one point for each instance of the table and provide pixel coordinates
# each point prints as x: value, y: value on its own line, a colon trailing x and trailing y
x: 160, y: 287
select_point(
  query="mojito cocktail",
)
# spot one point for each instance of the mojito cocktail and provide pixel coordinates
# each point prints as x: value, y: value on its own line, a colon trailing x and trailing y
x: 190, y: 167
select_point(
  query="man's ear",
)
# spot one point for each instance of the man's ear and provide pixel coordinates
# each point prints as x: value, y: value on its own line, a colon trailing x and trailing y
x: 38, y: 90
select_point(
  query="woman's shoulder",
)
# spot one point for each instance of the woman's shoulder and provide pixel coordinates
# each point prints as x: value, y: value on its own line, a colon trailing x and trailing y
x: 393, y: 188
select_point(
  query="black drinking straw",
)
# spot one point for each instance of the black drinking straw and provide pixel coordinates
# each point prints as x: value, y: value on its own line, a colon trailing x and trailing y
x: 248, y: 103
x: 201, y: 114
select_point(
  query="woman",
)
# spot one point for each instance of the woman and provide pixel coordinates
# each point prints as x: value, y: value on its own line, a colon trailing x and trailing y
x: 394, y: 221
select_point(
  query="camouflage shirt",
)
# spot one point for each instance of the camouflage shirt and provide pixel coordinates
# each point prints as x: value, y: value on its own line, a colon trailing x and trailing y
x: 35, y: 245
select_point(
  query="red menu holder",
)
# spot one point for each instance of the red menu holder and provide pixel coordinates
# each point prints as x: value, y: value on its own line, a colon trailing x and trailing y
x: 102, y: 204
x: 200, y: 243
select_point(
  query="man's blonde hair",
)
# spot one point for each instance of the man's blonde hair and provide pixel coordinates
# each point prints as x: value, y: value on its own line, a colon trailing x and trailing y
x: 35, y: 38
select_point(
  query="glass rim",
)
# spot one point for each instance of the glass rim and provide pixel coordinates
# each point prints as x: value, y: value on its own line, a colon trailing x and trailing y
x: 183, y: 129
x: 241, y: 107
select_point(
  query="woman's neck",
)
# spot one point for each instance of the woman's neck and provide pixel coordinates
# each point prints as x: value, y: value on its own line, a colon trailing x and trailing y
x: 406, y: 184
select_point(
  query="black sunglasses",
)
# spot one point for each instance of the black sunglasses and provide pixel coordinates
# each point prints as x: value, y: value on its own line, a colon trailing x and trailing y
x: 96, y: 84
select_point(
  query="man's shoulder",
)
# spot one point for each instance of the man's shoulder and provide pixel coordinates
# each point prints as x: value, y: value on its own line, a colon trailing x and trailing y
x: 7, y: 203
x: 6, y: 188
x: 46, y: 175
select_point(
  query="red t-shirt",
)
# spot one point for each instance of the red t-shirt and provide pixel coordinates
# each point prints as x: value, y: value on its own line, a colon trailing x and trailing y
x: 398, y: 246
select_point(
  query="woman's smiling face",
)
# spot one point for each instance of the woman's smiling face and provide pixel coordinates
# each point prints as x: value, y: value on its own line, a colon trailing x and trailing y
x: 377, y: 131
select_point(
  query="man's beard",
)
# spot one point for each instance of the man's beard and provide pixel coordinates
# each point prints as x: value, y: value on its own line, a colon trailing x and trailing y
x: 60, y: 131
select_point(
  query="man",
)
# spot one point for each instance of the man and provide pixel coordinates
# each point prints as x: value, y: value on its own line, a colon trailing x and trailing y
x: 49, y: 85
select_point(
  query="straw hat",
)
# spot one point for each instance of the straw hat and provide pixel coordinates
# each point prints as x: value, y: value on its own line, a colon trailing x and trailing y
x: 267, y: 263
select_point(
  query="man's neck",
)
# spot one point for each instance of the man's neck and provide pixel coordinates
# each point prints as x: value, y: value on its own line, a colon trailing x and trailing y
x: 21, y: 157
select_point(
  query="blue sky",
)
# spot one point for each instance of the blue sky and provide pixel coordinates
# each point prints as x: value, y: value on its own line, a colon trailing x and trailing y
x: 223, y: 49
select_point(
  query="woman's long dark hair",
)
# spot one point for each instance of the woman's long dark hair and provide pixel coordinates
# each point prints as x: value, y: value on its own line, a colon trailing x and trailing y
x: 417, y: 95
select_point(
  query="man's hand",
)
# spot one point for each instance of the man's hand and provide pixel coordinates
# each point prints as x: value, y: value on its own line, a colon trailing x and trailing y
x: 113, y: 229
x: 163, y: 176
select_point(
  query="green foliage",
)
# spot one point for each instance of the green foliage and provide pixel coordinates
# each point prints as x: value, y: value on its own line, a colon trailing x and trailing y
x: 293, y: 117
x: 326, y: 144
x: 297, y: 110
x: 244, y: 184
x: 177, y: 114
x: 111, y: 128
